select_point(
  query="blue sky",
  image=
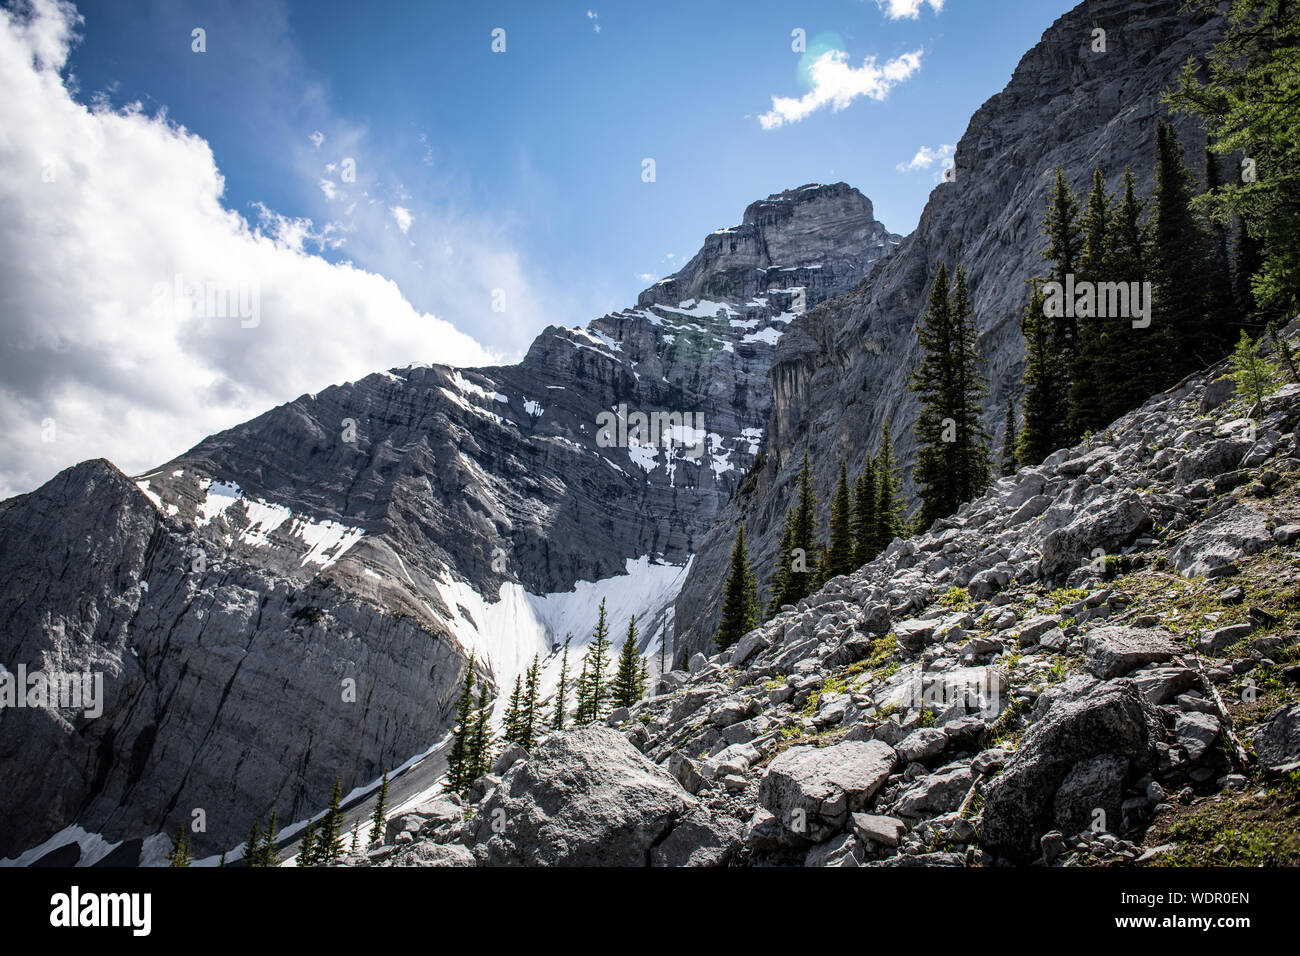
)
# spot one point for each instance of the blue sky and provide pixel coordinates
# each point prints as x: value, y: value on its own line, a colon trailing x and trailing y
x: 539, y: 149
x: 494, y: 193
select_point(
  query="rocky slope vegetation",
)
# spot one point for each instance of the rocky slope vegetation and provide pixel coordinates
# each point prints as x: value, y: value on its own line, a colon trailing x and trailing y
x: 842, y: 369
x: 1096, y: 663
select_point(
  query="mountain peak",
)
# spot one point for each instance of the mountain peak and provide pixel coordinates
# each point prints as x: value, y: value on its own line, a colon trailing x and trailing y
x: 819, y: 238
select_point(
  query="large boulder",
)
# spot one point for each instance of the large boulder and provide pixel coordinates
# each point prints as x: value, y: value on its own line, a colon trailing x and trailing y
x: 1277, y: 743
x: 812, y: 790
x: 1114, y: 719
x: 586, y: 797
x: 1114, y: 651
x: 1221, y: 541
x: 1108, y: 523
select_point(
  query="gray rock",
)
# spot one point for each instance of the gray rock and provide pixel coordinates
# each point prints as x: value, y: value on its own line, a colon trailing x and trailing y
x: 1019, y: 803
x: 701, y: 839
x: 812, y: 790
x: 1219, y: 543
x: 509, y: 756
x: 1277, y: 743
x: 1096, y: 783
x: 585, y: 798
x: 1114, y: 651
x: 937, y: 792
x: 881, y: 830
x: 842, y: 850
x: 921, y: 744
x: 1196, y: 733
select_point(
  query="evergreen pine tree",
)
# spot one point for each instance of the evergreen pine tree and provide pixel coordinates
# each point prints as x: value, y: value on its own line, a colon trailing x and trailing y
x: 599, y: 657
x: 624, y: 689
x: 254, y: 845
x: 1254, y: 375
x: 1008, y: 457
x: 1128, y: 371
x: 781, y: 586
x: 952, y: 457
x: 889, y: 499
x: 356, y: 835
x: 1064, y: 247
x: 1089, y: 375
x: 582, y: 708
x: 1221, y: 305
x: 797, y: 572
x: 329, y: 840
x: 1284, y: 353
x: 841, y: 549
x: 307, y: 845
x: 379, y: 818
x: 1040, y: 407
x: 864, y: 514
x: 511, y: 729
x: 180, y: 855
x: 1178, y: 264
x: 562, y: 690
x: 458, y: 759
x: 529, y: 717
x: 739, y: 597
x: 1244, y: 93
x: 270, y: 838
x: 481, y: 751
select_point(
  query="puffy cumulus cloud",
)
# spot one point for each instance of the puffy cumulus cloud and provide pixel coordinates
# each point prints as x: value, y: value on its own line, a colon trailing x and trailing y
x: 401, y: 216
x: 837, y: 83
x: 137, y: 313
x: 907, y: 9
x: 926, y: 157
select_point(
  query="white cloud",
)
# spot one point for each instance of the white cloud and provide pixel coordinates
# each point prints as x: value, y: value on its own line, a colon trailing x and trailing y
x: 926, y: 157
x: 836, y: 83
x: 401, y: 216
x: 317, y: 138
x: 907, y: 9
x: 645, y: 276
x: 134, y: 208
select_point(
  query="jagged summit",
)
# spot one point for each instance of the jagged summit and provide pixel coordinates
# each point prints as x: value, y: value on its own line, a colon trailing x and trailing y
x: 813, y: 238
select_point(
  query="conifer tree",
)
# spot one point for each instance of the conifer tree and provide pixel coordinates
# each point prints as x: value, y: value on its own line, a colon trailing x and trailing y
x: 529, y: 717
x: 796, y: 571
x: 1089, y: 375
x: 1254, y: 375
x: 582, y: 705
x: 739, y: 597
x: 1042, y: 403
x: 562, y: 690
x: 1008, y: 456
x: 307, y: 845
x: 1244, y: 93
x: 785, y: 559
x: 356, y: 835
x: 952, y: 457
x: 599, y: 656
x: 1284, y: 353
x: 379, y: 818
x: 1222, y: 311
x: 864, y: 514
x: 267, y: 852
x: 459, y: 758
x: 643, y: 679
x: 625, y: 689
x: 1064, y: 246
x: 180, y: 855
x: 1128, y: 371
x: 481, y: 750
x: 1178, y: 265
x: 254, y: 845
x: 889, y: 500
x: 511, y: 722
x: 329, y: 840
x: 841, y: 549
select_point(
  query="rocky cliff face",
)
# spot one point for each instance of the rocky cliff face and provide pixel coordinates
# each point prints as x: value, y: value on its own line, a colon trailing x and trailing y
x: 842, y: 369
x: 380, y: 531
x: 1095, y: 663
